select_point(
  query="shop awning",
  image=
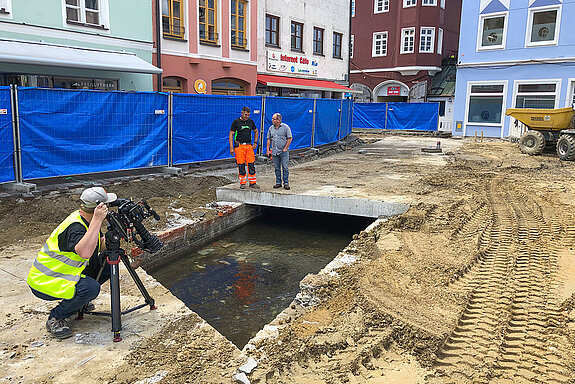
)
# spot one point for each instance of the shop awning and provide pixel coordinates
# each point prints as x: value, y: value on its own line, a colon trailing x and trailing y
x: 299, y: 83
x: 34, y: 53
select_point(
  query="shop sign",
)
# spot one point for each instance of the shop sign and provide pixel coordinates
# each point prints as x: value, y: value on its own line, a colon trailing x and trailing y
x: 200, y: 86
x: 393, y: 91
x: 290, y: 63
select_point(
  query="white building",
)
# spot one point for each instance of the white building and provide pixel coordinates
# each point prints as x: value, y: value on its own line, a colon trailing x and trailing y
x: 304, y: 48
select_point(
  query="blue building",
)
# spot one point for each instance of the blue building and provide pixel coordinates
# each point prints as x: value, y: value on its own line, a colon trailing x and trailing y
x: 512, y: 54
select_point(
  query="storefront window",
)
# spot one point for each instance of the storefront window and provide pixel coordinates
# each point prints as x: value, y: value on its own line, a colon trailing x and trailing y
x: 485, y: 104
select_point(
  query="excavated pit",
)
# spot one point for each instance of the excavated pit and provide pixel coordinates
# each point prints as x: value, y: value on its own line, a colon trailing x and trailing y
x: 239, y: 279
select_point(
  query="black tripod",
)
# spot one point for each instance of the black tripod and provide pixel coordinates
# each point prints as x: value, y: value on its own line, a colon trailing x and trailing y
x: 113, y: 255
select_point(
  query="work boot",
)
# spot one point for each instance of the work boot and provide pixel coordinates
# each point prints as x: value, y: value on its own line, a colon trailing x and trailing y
x: 286, y: 187
x: 58, y: 328
x: 254, y: 186
x: 242, y: 186
x: 277, y: 186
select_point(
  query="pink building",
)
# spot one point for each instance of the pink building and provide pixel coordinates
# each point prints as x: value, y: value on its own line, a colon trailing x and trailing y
x: 206, y: 46
x: 397, y: 44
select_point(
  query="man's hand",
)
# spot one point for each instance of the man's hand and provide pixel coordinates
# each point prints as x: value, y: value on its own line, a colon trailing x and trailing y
x: 100, y: 213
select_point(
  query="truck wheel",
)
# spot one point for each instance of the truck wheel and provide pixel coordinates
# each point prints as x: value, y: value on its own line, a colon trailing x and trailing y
x: 532, y: 142
x: 566, y: 147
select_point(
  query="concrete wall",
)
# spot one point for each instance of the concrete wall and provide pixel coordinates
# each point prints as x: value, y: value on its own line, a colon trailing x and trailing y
x: 181, y: 241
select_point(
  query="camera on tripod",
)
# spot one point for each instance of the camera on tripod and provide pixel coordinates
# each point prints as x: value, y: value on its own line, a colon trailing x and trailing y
x: 127, y: 223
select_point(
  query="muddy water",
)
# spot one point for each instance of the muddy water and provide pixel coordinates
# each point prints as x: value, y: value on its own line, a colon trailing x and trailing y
x: 240, y: 282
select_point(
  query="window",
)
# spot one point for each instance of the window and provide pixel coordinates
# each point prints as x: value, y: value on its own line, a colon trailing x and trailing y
x: 351, y: 42
x: 228, y: 87
x: 379, y: 47
x: 543, y: 28
x: 409, y: 3
x: 87, y: 12
x: 272, y: 30
x: 380, y: 6
x: 172, y: 18
x: 172, y: 84
x: 442, y: 3
x: 426, y: 39
x: 407, y: 40
x: 352, y: 8
x: 485, y: 104
x: 492, y: 32
x: 208, y: 21
x: 317, y: 41
x: 572, y: 93
x: 296, y: 36
x: 429, y: 2
x: 536, y: 95
x: 337, y: 38
x: 5, y: 7
x: 238, y: 13
x: 439, y: 41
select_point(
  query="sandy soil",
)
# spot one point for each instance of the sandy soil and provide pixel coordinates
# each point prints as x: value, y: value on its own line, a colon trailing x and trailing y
x: 473, y: 284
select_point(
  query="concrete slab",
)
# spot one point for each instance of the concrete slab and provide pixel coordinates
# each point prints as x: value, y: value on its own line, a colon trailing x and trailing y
x: 367, y: 181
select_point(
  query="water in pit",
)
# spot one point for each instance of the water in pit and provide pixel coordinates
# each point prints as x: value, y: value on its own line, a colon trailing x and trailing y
x: 241, y: 281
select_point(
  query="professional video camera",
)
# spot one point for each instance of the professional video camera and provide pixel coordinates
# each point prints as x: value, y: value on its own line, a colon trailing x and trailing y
x: 127, y: 223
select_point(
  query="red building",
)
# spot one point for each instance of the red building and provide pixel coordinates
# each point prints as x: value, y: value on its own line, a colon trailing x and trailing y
x: 397, y: 44
x: 206, y: 46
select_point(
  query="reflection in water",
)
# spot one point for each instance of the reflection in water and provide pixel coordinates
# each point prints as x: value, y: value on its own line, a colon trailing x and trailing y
x: 243, y: 280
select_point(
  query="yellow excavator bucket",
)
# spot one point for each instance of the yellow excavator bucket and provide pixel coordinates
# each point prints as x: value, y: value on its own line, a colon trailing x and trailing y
x: 544, y: 119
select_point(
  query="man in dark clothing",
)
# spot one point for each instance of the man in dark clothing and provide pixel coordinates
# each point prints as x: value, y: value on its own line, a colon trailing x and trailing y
x: 68, y: 263
x: 241, y: 147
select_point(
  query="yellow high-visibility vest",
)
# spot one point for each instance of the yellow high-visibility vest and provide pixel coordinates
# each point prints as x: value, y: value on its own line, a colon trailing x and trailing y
x: 56, y: 272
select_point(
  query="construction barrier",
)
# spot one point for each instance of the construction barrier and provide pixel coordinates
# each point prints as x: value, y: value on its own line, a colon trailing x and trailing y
x: 66, y: 132
x: 397, y: 116
x: 297, y: 113
x: 62, y: 132
x: 6, y: 137
x: 201, y: 125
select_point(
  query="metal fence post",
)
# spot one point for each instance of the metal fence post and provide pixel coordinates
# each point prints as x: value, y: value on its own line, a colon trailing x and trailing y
x: 16, y: 133
x: 262, y: 122
x: 339, y: 126
x: 170, y: 129
x: 386, y: 108
x: 313, y: 123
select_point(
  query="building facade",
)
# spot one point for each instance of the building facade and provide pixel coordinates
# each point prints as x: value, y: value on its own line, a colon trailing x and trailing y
x: 304, y: 48
x: 398, y: 45
x: 81, y: 44
x: 512, y: 54
x: 207, y: 46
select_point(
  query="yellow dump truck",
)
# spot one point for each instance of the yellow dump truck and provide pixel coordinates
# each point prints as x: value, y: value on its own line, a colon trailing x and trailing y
x: 547, y: 127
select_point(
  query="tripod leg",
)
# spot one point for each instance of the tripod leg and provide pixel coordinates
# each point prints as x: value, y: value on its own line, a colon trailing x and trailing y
x: 115, y: 301
x: 149, y: 300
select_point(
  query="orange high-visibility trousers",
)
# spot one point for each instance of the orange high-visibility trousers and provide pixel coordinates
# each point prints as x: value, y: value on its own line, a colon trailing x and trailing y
x: 245, y: 155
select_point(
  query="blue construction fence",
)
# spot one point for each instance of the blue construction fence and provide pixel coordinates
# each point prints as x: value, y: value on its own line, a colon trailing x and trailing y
x: 60, y: 132
x: 400, y: 116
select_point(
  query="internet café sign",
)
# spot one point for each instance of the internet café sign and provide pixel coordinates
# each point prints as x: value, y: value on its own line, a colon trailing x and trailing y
x: 301, y: 65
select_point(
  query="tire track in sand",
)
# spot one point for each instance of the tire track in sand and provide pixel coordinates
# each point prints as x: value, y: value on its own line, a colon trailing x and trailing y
x: 509, y: 330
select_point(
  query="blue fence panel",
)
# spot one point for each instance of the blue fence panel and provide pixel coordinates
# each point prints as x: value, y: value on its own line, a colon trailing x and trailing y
x: 369, y: 115
x: 326, y: 121
x: 66, y: 132
x: 295, y: 113
x: 6, y: 137
x: 201, y: 125
x: 413, y: 116
x: 346, y: 118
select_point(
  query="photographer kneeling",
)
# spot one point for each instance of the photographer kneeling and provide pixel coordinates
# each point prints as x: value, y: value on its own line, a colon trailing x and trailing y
x: 68, y: 263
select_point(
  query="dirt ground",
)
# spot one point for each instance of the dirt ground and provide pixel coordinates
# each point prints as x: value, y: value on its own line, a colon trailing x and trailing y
x: 474, y: 284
